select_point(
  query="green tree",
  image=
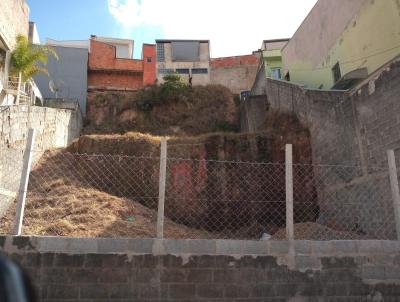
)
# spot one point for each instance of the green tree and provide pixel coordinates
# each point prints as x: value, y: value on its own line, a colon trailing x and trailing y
x: 26, y: 58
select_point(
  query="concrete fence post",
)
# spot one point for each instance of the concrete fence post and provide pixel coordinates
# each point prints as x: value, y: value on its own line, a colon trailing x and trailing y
x: 19, y: 88
x: 394, y: 184
x: 161, y: 189
x: 289, y: 192
x: 23, y: 185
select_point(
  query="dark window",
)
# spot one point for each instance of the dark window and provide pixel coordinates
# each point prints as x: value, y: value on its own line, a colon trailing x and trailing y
x: 165, y: 70
x: 199, y: 70
x: 160, y: 52
x: 337, y: 75
x: 182, y: 70
x: 149, y: 59
x: 276, y: 73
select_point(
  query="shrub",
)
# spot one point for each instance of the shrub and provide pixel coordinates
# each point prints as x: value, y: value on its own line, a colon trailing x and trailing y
x: 173, y: 89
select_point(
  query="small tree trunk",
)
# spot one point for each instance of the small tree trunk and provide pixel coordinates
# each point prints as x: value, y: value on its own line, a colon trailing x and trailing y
x: 19, y: 87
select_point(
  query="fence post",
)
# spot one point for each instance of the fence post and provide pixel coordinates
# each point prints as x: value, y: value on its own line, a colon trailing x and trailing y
x: 289, y: 192
x: 394, y: 184
x: 23, y: 185
x: 19, y: 88
x: 161, y: 189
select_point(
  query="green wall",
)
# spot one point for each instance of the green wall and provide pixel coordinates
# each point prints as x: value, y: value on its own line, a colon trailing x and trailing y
x: 370, y: 40
x: 272, y: 59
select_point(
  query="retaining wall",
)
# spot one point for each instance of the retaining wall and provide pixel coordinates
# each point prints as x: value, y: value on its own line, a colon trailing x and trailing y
x: 68, y: 269
x: 55, y: 128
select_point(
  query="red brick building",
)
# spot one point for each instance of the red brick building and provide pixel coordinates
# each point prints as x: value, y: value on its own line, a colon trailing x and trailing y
x: 237, y: 73
x: 111, y: 66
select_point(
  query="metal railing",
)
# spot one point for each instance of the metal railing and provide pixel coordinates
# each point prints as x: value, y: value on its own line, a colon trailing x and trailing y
x: 23, y: 89
x: 146, y: 196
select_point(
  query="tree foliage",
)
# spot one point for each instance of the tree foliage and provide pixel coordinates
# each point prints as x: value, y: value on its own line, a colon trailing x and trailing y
x: 172, y: 89
x: 30, y: 59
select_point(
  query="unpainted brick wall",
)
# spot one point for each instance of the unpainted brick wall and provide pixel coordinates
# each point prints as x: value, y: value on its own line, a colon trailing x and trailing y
x: 236, y: 73
x: 116, y: 270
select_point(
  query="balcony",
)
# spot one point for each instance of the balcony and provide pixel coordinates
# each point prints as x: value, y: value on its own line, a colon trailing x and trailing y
x: 23, y: 94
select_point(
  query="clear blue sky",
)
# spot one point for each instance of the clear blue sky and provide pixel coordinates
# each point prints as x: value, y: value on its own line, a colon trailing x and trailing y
x: 234, y: 27
x: 78, y: 19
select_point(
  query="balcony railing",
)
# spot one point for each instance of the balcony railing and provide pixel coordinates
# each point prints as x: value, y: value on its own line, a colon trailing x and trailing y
x: 23, y: 92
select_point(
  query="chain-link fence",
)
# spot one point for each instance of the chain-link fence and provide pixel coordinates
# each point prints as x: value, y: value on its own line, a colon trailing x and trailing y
x: 72, y: 194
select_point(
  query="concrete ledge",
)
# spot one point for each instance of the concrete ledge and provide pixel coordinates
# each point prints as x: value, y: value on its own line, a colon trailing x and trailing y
x: 195, y: 247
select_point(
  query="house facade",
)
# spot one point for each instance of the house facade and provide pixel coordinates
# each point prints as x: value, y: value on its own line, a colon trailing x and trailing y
x: 237, y: 73
x: 272, y: 57
x: 111, y: 65
x: 342, y: 42
x: 14, y: 20
x: 67, y: 77
x: 189, y: 58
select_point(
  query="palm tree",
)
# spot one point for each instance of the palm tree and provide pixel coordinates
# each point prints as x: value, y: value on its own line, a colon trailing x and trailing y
x: 26, y: 59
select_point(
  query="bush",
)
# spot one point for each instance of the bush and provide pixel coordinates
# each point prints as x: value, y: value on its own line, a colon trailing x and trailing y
x: 173, y: 89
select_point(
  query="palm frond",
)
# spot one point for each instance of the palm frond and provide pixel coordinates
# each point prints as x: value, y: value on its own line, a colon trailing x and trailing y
x: 29, y: 59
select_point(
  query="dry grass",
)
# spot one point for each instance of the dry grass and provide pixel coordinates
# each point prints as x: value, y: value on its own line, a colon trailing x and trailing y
x: 61, y: 207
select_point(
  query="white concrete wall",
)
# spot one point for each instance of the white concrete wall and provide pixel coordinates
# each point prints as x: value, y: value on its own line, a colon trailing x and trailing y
x: 197, y: 79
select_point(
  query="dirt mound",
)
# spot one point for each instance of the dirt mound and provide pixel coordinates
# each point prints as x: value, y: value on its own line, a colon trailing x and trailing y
x: 207, y: 109
x: 68, y: 210
x: 315, y: 231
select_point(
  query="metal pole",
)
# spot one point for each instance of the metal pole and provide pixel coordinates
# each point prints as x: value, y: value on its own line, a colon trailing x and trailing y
x: 394, y: 184
x: 289, y: 192
x: 161, y: 189
x: 23, y: 185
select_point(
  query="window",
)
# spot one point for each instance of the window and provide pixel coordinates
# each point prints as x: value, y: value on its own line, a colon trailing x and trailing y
x: 160, y: 52
x: 182, y: 70
x: 149, y: 59
x: 199, y: 70
x: 165, y: 70
x: 337, y: 74
x: 276, y: 73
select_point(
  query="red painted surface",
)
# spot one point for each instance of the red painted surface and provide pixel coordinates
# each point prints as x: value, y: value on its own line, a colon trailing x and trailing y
x: 234, y: 61
x: 149, y: 68
x: 106, y: 71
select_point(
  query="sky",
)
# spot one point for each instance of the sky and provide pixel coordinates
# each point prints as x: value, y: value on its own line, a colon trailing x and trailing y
x: 234, y: 27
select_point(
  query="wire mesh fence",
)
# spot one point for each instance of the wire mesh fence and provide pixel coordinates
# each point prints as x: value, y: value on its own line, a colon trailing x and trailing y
x: 72, y: 194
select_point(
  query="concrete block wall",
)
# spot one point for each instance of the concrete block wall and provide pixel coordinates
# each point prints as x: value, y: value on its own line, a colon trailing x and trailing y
x: 75, y: 269
x: 352, y: 128
x: 55, y: 128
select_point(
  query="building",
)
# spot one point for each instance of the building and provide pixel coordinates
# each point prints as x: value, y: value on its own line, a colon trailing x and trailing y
x: 237, y: 73
x: 67, y: 77
x: 342, y: 42
x: 111, y: 65
x: 33, y: 35
x: 14, y: 20
x: 189, y: 58
x: 272, y: 57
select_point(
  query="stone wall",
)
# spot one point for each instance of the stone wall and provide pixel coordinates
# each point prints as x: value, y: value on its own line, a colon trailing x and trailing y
x: 14, y: 20
x: 116, y: 270
x: 55, y: 128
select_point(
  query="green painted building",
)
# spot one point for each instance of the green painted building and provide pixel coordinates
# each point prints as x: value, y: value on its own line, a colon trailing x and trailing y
x: 272, y: 57
x: 342, y: 42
